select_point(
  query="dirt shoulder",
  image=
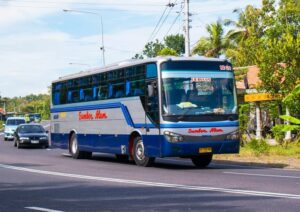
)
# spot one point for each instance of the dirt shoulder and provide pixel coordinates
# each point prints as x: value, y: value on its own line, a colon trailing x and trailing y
x: 274, y: 161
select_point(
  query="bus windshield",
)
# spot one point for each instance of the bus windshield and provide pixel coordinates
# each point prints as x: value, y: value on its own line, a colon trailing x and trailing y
x: 196, y: 93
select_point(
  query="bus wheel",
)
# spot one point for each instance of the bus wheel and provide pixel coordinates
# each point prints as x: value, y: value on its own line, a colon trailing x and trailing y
x: 201, y: 161
x: 139, y: 156
x: 73, y: 148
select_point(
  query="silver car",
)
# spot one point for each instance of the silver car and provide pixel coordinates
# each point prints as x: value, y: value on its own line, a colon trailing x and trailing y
x: 11, y: 125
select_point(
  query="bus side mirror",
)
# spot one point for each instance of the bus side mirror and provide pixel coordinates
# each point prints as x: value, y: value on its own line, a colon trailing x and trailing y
x: 150, y: 90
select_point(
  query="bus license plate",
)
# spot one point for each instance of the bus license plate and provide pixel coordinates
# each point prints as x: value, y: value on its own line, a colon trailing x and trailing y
x: 34, y: 141
x: 205, y: 150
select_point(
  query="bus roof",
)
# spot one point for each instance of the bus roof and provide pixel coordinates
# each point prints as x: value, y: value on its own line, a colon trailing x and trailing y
x: 132, y: 62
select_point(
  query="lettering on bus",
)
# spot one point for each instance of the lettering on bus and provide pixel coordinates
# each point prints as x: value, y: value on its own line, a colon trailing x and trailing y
x: 225, y: 68
x: 212, y: 130
x: 91, y: 116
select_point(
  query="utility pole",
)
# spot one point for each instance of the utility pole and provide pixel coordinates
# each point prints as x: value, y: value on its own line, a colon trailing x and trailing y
x: 187, y: 28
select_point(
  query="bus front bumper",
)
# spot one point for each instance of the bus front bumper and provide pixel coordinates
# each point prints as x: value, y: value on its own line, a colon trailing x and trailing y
x: 187, y: 149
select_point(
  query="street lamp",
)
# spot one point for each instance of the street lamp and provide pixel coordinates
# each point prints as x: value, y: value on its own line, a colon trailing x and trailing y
x: 93, y: 13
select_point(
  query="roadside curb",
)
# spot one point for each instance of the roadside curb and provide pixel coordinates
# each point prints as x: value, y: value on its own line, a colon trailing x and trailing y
x: 255, y: 164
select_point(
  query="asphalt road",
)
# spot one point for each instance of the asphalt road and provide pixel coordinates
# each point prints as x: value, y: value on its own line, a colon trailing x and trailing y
x: 49, y: 180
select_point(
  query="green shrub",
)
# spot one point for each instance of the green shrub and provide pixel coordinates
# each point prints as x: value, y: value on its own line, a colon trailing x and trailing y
x: 1, y: 124
x: 259, y: 146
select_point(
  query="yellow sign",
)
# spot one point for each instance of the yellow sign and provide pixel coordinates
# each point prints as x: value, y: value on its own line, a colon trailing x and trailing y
x: 205, y: 150
x: 63, y: 115
x: 256, y: 97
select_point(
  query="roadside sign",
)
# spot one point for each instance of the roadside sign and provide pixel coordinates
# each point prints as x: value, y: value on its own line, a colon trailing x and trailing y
x: 257, y: 97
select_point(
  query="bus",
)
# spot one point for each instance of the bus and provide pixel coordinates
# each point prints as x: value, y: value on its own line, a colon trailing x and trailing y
x: 145, y: 109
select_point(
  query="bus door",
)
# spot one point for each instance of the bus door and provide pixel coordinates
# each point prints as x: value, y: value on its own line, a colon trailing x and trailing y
x: 152, y: 143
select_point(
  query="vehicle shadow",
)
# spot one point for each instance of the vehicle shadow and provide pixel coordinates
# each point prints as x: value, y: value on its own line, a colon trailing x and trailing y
x: 186, y: 164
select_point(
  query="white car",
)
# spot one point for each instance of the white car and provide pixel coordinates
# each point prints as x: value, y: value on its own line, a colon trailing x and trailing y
x: 11, y: 125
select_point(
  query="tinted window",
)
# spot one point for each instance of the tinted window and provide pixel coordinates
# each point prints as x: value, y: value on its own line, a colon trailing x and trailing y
x: 119, y: 83
x: 11, y: 122
x: 31, y: 129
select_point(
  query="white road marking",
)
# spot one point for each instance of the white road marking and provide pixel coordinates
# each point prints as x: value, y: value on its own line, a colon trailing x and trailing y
x: 262, y: 175
x: 155, y: 184
x: 42, y: 209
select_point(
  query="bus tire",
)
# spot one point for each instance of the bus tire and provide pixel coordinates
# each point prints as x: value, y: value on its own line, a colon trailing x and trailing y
x: 139, y: 156
x: 202, y: 161
x: 73, y: 148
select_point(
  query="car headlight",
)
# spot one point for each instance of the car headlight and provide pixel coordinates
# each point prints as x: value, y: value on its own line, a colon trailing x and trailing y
x: 173, y: 137
x: 233, y: 136
x: 24, y: 138
x: 44, y: 138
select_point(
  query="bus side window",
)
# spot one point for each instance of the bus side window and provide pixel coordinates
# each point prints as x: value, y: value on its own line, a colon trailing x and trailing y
x: 118, y: 90
x: 56, y: 98
x: 69, y: 96
x: 95, y: 91
x: 110, y: 91
x: 81, y: 95
x: 127, y: 87
x: 151, y: 71
x: 102, y: 94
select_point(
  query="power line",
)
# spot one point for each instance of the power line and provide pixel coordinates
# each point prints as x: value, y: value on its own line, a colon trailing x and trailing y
x: 170, y: 9
x: 161, y: 21
x: 80, y: 3
x: 179, y: 13
x: 151, y: 35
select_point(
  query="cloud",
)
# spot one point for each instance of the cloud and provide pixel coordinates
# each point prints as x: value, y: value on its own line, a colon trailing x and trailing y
x: 32, y: 58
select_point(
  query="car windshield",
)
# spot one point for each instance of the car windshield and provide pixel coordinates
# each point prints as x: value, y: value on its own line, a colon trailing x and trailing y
x: 31, y: 129
x: 194, y: 93
x: 14, y: 122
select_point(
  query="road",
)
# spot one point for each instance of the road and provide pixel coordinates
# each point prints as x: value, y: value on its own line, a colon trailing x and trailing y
x: 50, y: 180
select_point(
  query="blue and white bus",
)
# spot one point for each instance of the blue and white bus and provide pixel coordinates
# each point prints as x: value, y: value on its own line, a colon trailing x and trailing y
x: 143, y: 109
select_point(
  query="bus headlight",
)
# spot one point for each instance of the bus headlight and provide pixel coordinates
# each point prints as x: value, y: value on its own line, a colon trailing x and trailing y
x: 233, y: 136
x: 173, y: 137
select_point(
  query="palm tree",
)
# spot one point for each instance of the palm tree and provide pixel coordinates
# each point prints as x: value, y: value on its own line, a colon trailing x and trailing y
x: 246, y: 27
x: 214, y: 44
x: 247, y: 24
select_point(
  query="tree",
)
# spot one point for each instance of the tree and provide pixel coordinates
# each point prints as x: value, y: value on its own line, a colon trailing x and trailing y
x: 152, y: 48
x: 244, y: 38
x: 167, y: 52
x: 172, y: 45
x: 214, y: 44
x: 138, y: 56
x: 175, y: 42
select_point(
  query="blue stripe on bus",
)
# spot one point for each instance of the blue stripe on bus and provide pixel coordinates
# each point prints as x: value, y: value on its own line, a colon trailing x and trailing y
x: 127, y: 116
x: 130, y: 122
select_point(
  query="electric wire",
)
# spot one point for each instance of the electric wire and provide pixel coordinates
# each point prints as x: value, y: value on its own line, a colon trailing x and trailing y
x: 176, y: 18
x: 162, y: 15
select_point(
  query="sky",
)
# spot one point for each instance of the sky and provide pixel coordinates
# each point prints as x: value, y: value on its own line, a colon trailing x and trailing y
x: 39, y: 42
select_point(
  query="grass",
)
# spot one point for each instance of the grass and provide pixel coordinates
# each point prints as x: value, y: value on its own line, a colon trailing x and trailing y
x: 266, y: 155
x: 263, y: 149
x: 1, y: 125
